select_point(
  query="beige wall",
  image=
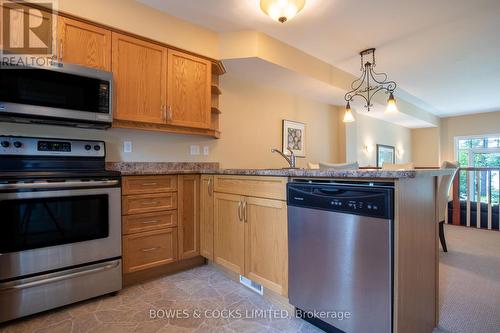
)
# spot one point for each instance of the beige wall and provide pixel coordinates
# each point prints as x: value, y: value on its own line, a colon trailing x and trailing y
x: 368, y: 131
x: 251, y: 126
x: 426, y: 147
x: 132, y: 16
x: 477, y: 124
x: 433, y: 145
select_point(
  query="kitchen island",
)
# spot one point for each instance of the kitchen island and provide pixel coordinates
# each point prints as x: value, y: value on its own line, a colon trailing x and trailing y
x: 415, y: 236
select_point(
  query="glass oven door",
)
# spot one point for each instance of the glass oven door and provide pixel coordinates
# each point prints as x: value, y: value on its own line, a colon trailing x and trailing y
x: 41, y: 222
x: 45, y: 229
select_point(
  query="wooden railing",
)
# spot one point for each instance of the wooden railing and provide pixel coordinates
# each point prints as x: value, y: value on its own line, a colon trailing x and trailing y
x: 479, y: 187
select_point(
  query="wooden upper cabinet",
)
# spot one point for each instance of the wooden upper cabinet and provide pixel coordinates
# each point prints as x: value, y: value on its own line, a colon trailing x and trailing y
x: 189, y: 90
x: 140, y: 74
x: 83, y: 44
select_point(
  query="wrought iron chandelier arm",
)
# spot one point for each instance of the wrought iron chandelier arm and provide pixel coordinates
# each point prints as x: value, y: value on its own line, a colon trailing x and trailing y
x: 349, y: 95
x: 362, y: 96
x: 390, y: 85
x: 379, y: 89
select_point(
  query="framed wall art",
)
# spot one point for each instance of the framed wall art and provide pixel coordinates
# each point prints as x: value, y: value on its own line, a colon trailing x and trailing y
x: 294, y: 138
x: 385, y: 154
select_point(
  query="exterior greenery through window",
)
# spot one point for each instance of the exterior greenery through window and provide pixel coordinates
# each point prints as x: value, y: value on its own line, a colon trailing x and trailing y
x: 479, y: 151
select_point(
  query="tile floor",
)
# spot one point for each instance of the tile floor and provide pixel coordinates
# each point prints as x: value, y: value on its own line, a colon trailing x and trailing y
x: 203, y: 288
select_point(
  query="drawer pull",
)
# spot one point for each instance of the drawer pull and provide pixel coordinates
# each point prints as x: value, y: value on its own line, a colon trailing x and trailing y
x: 149, y: 222
x: 149, y: 184
x: 150, y: 202
x: 150, y: 249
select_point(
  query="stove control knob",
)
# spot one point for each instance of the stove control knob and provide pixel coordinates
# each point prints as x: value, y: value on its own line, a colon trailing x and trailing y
x: 88, y: 147
x: 97, y: 147
x: 18, y: 144
x: 5, y: 144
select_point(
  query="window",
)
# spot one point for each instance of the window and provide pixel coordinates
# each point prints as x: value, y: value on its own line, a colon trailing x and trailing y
x: 479, y: 152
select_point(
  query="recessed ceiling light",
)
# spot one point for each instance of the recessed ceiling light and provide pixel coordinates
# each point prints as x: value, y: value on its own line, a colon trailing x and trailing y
x: 282, y: 10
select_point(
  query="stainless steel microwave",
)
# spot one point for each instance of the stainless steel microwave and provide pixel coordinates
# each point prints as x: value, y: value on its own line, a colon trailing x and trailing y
x: 60, y: 95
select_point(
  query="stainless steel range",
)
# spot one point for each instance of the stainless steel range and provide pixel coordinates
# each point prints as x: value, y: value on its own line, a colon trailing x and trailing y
x: 60, y: 226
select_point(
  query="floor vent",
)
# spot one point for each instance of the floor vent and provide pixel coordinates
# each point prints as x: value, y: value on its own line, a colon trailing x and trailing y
x: 252, y: 285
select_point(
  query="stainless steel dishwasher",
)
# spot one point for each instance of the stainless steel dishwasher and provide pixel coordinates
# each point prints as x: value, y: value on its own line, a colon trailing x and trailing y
x: 341, y: 254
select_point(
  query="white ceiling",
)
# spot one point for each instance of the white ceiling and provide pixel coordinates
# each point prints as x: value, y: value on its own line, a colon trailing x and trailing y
x: 270, y: 75
x: 444, y: 54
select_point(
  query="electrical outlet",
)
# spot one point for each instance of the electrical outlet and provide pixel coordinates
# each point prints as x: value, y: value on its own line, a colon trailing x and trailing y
x: 206, y: 150
x: 127, y: 146
x: 195, y: 150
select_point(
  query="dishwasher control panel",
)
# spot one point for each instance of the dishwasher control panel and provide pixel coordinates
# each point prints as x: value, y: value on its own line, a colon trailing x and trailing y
x: 369, y: 200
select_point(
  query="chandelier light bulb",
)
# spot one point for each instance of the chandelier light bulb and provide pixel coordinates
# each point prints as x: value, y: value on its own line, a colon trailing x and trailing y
x: 391, y: 105
x: 348, y: 116
x: 282, y: 10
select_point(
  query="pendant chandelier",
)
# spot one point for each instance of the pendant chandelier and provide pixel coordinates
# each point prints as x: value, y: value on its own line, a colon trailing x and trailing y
x: 368, y: 85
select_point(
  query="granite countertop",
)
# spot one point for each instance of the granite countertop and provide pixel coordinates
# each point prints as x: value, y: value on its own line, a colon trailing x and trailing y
x: 173, y: 168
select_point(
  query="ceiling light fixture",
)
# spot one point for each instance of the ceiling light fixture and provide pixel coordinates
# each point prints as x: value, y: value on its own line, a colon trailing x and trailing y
x: 282, y: 10
x: 368, y: 84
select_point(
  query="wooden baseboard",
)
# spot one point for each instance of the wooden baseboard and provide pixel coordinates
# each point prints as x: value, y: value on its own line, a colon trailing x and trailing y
x: 152, y: 273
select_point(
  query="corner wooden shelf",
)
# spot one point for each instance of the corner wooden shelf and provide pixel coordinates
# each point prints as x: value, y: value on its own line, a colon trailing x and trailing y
x: 218, y: 68
x: 216, y: 90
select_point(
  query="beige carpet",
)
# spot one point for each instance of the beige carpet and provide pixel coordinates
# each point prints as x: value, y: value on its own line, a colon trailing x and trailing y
x: 470, y: 281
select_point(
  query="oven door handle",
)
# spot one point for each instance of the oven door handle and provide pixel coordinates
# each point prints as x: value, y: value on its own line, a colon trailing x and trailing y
x: 50, y: 185
x: 57, y: 277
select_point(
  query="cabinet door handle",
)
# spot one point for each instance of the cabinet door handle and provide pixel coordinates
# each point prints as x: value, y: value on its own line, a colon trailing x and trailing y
x: 169, y: 113
x: 150, y: 222
x: 239, y: 210
x: 149, y: 184
x: 245, y: 215
x: 150, y: 249
x: 210, y: 187
x: 150, y: 202
x: 163, y: 113
x: 61, y: 49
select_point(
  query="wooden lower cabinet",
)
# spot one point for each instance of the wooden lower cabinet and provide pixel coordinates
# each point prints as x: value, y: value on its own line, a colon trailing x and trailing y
x: 207, y: 217
x: 266, y: 243
x: 149, y: 221
x: 149, y: 249
x: 250, y: 235
x: 189, y: 223
x: 229, y: 232
x: 144, y: 203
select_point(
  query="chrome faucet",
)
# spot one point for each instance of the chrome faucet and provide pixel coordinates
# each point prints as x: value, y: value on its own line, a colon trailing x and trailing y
x: 290, y: 160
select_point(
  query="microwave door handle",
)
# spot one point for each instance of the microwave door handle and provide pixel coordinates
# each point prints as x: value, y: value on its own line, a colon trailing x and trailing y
x: 49, y: 185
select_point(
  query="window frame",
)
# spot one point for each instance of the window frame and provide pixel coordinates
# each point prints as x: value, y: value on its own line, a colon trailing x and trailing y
x: 473, y: 151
